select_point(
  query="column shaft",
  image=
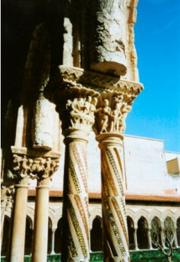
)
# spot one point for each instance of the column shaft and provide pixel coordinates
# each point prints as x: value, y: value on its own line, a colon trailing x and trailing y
x: 75, y: 210
x: 149, y: 238
x: 41, y: 224
x: 175, y: 238
x: 53, y: 242
x: 113, y: 202
x: 135, y: 239
x: 19, y: 224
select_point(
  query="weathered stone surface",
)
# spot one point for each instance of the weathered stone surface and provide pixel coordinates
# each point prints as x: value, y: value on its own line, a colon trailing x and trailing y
x: 42, y: 133
x: 108, y: 47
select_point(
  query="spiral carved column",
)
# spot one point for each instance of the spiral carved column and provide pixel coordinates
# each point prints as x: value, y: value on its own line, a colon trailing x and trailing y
x: 113, y: 201
x: 110, y: 99
x: 75, y: 215
x: 77, y: 122
x: 113, y: 107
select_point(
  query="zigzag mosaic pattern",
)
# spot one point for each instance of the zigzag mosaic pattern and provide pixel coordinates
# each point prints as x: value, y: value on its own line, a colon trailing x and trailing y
x: 114, y: 213
x: 76, y: 206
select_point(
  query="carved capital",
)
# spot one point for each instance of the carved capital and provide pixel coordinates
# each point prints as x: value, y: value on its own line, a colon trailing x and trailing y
x: 7, y: 194
x: 73, y: 81
x: 39, y: 168
x: 76, y: 93
x: 111, y: 113
x: 29, y: 164
x: 80, y: 113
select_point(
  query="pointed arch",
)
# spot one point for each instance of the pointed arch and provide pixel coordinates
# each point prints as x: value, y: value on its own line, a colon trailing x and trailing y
x: 143, y: 213
x: 155, y: 213
x: 131, y: 230
x: 142, y: 233
x: 156, y: 232
x: 96, y: 234
x: 169, y: 231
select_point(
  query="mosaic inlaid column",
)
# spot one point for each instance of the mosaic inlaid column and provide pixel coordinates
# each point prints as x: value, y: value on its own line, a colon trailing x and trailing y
x: 44, y: 168
x: 21, y: 173
x: 76, y: 105
x: 112, y: 109
x: 80, y: 115
x: 77, y: 91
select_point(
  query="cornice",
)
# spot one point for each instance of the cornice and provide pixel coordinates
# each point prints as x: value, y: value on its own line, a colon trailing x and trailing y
x: 88, y: 82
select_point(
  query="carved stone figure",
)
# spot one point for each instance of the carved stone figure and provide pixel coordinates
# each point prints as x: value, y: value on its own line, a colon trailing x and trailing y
x: 81, y: 112
x: 105, y: 115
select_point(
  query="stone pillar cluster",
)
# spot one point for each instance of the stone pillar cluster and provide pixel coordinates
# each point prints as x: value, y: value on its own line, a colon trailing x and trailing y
x: 87, y: 100
x: 26, y: 167
x: 93, y: 99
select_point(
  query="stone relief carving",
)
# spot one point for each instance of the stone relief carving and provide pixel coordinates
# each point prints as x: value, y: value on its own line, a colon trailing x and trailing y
x: 7, y: 193
x: 79, y: 88
x: 81, y: 111
x: 112, y: 113
x: 81, y: 79
x: 39, y: 168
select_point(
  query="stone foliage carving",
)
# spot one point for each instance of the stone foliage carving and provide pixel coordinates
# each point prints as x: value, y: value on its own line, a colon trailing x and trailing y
x: 40, y: 168
x: 112, y: 112
x: 81, y: 112
x: 83, y: 89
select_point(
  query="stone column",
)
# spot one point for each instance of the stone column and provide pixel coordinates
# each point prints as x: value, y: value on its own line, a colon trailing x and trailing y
x: 110, y: 123
x: 77, y: 108
x: 149, y: 238
x: 163, y: 236
x: 43, y: 133
x: 43, y: 168
x: 77, y: 123
x: 135, y: 239
x: 175, y: 238
x: 53, y: 241
x: 108, y: 24
x: 113, y: 199
x: 77, y: 105
x: 21, y: 173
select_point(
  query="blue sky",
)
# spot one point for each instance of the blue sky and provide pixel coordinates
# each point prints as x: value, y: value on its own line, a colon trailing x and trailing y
x: 156, y: 112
